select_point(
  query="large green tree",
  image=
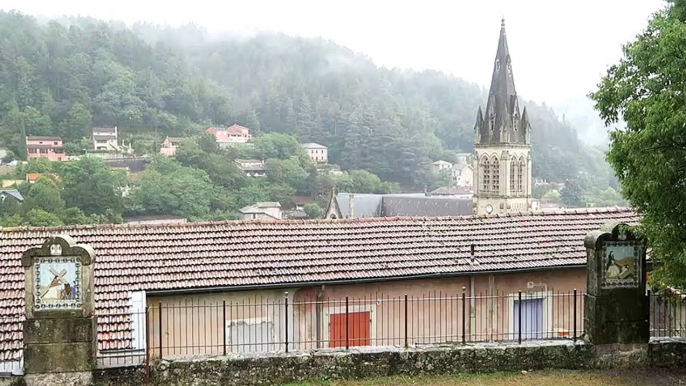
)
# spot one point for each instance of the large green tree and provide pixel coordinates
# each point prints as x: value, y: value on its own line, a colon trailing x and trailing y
x: 89, y: 184
x: 647, y: 89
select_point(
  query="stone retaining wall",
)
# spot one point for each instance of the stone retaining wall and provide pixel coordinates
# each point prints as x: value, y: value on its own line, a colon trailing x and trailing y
x: 358, y: 364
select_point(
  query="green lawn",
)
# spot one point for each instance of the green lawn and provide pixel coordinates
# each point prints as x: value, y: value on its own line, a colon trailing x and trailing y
x: 535, y: 378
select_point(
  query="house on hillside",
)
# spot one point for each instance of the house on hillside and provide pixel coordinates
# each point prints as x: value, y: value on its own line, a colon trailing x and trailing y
x: 231, y: 135
x: 105, y: 138
x: 48, y: 147
x: 252, y: 167
x: 261, y: 211
x: 170, y: 145
x: 440, y: 165
x: 11, y: 194
x: 31, y: 178
x: 462, y: 175
x: 222, y: 275
x: 317, y: 153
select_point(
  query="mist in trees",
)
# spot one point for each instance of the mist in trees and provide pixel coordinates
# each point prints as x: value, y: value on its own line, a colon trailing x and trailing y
x: 66, y: 76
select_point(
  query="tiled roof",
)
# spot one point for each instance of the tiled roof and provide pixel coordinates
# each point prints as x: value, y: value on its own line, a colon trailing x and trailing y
x: 39, y: 138
x: 235, y: 253
x: 312, y: 145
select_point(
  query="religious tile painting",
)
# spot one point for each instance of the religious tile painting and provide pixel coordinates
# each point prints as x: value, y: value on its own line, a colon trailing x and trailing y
x: 621, y: 266
x: 58, y: 283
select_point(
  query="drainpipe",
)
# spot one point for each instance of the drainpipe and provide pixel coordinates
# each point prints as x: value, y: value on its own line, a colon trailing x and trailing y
x: 318, y: 313
x: 472, y: 294
x: 491, y: 305
x: 472, y: 308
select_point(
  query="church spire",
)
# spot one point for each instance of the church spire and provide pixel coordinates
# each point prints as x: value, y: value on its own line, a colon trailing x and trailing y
x: 502, y: 123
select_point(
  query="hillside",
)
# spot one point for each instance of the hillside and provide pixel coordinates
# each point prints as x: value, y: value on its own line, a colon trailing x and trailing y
x: 63, y: 77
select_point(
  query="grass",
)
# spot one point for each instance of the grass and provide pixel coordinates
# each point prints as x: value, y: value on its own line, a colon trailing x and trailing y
x: 535, y: 378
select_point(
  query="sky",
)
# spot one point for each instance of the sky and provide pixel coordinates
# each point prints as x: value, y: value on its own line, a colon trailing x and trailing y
x: 560, y: 49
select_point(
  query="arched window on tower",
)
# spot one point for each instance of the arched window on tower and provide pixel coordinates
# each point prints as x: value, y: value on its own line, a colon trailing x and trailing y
x: 513, y: 173
x: 495, y: 175
x: 520, y: 175
x: 485, y: 174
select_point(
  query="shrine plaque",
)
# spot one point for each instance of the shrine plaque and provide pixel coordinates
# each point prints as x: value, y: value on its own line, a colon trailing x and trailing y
x: 58, y: 283
x: 621, y: 266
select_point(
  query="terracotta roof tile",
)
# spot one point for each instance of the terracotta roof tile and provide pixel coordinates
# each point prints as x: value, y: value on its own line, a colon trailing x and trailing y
x: 163, y: 257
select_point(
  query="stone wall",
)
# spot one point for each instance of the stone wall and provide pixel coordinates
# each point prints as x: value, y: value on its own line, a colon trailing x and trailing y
x: 358, y: 364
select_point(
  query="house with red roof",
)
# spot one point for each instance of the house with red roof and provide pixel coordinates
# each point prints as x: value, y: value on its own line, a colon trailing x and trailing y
x: 231, y: 135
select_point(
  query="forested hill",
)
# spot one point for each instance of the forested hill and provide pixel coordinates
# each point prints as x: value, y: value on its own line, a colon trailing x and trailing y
x: 61, y: 78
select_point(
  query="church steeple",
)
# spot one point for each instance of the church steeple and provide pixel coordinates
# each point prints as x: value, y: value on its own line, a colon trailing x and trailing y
x: 502, y: 149
x: 502, y: 122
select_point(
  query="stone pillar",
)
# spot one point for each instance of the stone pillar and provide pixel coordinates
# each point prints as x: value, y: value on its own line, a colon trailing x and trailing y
x: 616, y: 305
x: 59, y: 331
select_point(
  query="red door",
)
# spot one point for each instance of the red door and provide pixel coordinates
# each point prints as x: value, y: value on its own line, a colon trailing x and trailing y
x: 359, y: 328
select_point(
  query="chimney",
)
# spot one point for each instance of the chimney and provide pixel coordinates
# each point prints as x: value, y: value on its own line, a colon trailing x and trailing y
x: 351, y: 214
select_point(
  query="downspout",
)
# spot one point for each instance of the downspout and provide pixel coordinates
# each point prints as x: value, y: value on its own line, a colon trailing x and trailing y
x: 318, y: 313
x: 472, y: 309
x: 491, y: 305
x: 472, y: 299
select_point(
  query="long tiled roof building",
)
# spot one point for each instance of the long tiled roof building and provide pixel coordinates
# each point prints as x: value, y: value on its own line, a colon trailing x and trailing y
x: 240, y: 255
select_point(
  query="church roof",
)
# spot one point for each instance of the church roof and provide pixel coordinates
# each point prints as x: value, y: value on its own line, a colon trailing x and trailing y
x: 502, y: 122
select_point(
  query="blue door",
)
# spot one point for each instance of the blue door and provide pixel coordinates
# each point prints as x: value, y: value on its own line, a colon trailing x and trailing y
x: 532, y: 319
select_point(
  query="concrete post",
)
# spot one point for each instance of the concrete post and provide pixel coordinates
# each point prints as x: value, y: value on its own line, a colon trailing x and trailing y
x: 59, y: 331
x: 617, y: 309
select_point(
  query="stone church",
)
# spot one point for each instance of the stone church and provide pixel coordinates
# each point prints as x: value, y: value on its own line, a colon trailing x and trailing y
x: 502, y: 146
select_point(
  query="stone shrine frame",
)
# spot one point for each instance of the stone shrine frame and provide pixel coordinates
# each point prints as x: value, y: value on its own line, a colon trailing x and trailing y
x: 59, y: 278
x: 616, y: 307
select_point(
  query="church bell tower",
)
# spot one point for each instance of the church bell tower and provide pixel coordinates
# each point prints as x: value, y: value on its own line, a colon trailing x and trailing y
x: 502, y: 146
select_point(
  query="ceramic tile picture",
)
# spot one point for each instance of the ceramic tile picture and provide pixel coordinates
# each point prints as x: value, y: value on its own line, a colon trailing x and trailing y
x: 58, y: 283
x: 621, y: 267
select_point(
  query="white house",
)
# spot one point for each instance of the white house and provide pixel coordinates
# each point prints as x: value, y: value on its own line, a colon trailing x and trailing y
x: 462, y: 175
x: 441, y: 165
x: 317, y: 153
x: 105, y: 138
x: 261, y: 210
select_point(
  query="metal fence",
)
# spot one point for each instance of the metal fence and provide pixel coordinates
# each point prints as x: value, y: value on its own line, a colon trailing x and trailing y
x: 195, y: 328
x: 667, y: 316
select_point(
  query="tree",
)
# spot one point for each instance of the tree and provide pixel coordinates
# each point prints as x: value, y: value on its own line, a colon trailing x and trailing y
x: 364, y: 181
x: 572, y: 194
x: 74, y: 216
x: 78, y: 123
x: 279, y: 146
x: 172, y: 189
x: 282, y: 193
x: 41, y: 218
x: 37, y: 165
x: 44, y: 194
x: 313, y: 210
x: 92, y: 186
x: 288, y: 172
x: 646, y: 90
